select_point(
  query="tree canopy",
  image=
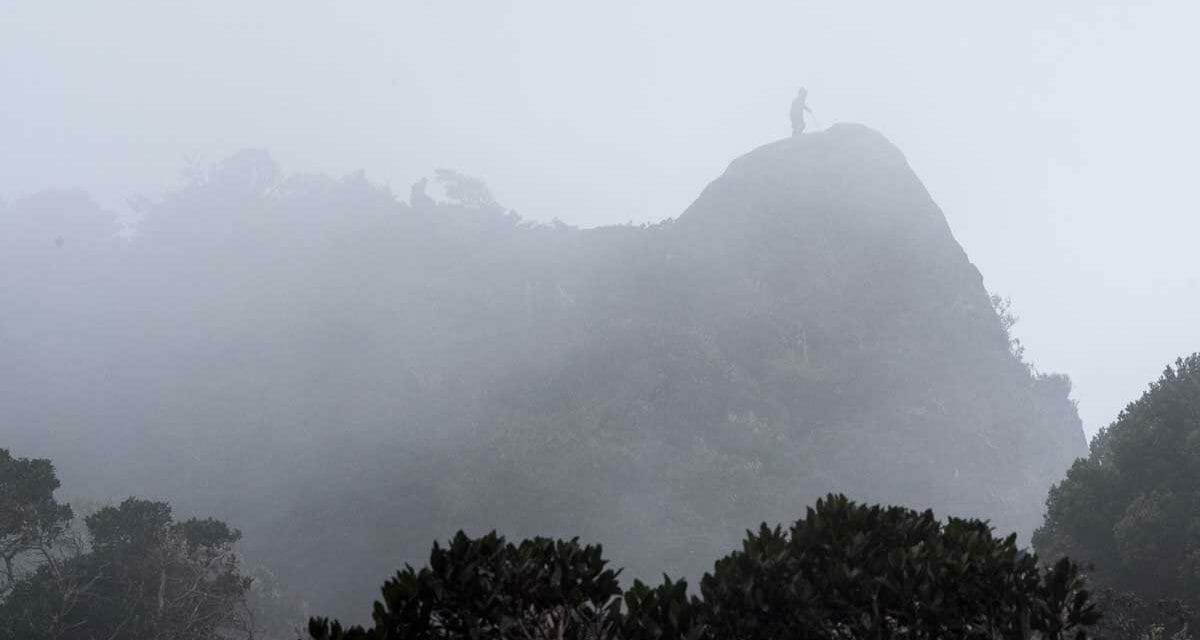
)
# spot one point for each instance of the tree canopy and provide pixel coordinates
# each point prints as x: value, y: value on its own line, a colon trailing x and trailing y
x: 845, y: 570
x: 1132, y: 507
x: 808, y: 325
x: 30, y: 517
x: 137, y: 573
x: 487, y: 588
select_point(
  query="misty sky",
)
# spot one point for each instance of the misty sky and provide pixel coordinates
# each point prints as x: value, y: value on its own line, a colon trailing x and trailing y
x: 1060, y: 142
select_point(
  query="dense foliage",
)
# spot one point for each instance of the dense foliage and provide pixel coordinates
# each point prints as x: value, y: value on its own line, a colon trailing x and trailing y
x: 1132, y: 507
x: 136, y: 573
x: 845, y: 570
x: 31, y: 520
x: 808, y: 325
x: 486, y: 588
x: 852, y: 571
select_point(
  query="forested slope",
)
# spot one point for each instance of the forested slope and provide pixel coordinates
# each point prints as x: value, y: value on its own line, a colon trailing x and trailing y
x: 346, y: 376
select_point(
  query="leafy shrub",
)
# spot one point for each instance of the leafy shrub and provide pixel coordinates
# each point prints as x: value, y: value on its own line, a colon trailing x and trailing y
x: 856, y: 571
x: 487, y: 588
x: 843, y: 571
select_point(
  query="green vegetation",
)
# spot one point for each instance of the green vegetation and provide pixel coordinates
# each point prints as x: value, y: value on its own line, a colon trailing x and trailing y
x: 31, y: 520
x: 1132, y: 507
x: 135, y: 573
x: 396, y: 370
x: 845, y: 570
x: 487, y: 588
x: 852, y: 571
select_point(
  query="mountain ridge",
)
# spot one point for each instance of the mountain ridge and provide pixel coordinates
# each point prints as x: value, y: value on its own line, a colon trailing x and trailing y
x: 381, y: 375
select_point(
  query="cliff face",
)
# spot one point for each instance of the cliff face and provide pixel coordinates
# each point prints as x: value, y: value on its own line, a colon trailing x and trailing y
x: 346, y: 378
x: 843, y: 243
x: 808, y: 325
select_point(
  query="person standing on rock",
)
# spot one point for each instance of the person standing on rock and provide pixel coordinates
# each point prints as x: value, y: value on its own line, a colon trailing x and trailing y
x: 798, y: 109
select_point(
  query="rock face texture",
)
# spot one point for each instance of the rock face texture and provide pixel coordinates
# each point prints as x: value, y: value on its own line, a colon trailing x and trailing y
x: 808, y: 325
x: 346, y: 377
x: 898, y: 368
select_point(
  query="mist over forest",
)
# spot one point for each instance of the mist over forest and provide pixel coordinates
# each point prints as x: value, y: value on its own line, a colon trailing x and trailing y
x: 781, y: 396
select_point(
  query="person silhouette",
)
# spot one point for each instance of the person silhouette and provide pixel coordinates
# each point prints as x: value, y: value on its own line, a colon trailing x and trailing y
x: 798, y: 109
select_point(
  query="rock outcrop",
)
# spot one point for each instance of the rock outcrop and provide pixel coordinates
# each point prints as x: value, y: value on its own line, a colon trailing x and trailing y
x: 346, y: 378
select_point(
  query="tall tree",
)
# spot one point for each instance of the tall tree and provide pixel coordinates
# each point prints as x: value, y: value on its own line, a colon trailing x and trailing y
x: 143, y: 576
x: 1132, y: 507
x: 31, y: 520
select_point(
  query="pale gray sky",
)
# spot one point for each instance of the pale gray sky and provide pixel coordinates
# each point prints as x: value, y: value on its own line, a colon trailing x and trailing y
x: 1058, y: 137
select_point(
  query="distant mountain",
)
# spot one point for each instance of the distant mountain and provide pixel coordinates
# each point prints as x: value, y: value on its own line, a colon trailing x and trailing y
x: 348, y: 377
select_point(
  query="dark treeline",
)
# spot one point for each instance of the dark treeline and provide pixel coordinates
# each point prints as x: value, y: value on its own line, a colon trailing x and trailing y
x: 843, y: 571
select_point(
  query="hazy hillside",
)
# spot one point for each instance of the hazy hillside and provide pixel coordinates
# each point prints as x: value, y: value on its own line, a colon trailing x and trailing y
x: 346, y: 376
